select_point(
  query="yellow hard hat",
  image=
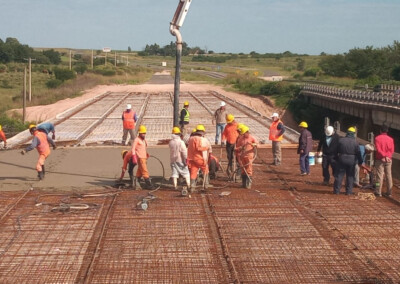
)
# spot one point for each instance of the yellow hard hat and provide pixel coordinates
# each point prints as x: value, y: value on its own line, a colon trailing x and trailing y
x: 32, y: 126
x: 0, y: 127
x: 200, y: 127
x: 142, y: 129
x: 303, y: 124
x: 176, y: 130
x: 186, y: 103
x: 351, y: 129
x: 194, y: 130
x: 123, y: 153
x: 240, y: 125
x: 230, y: 118
x: 244, y: 129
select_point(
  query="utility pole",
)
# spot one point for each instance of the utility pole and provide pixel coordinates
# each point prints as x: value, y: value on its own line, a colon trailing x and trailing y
x: 24, y: 98
x: 115, y: 59
x: 176, y: 23
x: 30, y: 76
x: 70, y: 59
x: 92, y: 59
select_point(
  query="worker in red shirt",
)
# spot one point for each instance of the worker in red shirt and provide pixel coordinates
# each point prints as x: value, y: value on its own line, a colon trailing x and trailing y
x: 245, y: 152
x: 3, y: 137
x: 129, y: 119
x: 229, y: 136
x: 41, y: 142
x: 276, y: 131
x: 139, y: 153
x: 127, y: 157
x: 384, y: 146
x: 196, y: 159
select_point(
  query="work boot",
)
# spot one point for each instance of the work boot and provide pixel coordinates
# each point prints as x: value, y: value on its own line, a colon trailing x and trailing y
x: 244, y: 181
x: 148, y: 184
x: 131, y: 178
x: 206, y: 181
x: 43, y: 170
x: 40, y: 175
x: 175, y: 182
x: 192, y: 185
x: 248, y: 182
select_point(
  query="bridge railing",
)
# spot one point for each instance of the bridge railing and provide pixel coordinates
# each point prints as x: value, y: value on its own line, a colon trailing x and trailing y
x: 384, y: 98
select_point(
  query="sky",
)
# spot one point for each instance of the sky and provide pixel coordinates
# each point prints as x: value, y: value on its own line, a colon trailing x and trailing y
x: 231, y: 26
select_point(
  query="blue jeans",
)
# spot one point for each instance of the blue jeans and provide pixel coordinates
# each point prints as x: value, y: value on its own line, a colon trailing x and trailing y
x: 304, y: 163
x: 219, y: 129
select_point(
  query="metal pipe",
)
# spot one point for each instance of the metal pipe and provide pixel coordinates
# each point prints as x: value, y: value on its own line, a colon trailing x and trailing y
x: 175, y: 31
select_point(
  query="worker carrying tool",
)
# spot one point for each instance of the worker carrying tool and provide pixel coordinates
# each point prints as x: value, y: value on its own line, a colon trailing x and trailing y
x: 184, y: 116
x: 129, y: 119
x: 245, y: 145
x: 3, y: 137
x: 178, y: 157
x: 229, y: 136
x: 139, y: 153
x: 47, y: 128
x: 41, y: 142
x: 127, y: 157
x: 196, y: 158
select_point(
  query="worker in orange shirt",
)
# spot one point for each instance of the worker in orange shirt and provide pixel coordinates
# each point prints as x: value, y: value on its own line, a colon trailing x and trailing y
x: 127, y: 157
x: 196, y: 157
x: 245, y: 153
x: 139, y: 153
x: 41, y: 142
x: 3, y: 137
x: 229, y: 136
x: 129, y: 119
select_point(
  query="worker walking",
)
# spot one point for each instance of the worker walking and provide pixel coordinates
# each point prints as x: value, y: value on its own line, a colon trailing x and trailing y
x: 304, y: 148
x: 328, y: 144
x: 219, y: 118
x: 196, y: 157
x: 47, y: 128
x: 41, y: 142
x: 245, y: 152
x: 128, y: 161
x: 276, y: 131
x: 178, y: 157
x: 184, y: 116
x: 3, y: 137
x: 348, y: 154
x: 129, y: 119
x: 139, y: 153
x: 384, y: 145
x: 229, y: 136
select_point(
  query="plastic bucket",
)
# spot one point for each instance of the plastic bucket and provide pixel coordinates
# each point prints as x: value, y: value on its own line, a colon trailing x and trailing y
x: 311, y: 159
x: 319, y: 160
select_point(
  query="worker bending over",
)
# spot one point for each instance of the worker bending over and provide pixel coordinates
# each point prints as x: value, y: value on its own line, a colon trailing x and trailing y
x: 3, y: 137
x: 41, y: 142
x: 47, y: 128
x: 139, y: 153
x: 230, y: 135
x: 178, y: 156
x: 127, y: 157
x: 196, y: 158
x: 245, y: 152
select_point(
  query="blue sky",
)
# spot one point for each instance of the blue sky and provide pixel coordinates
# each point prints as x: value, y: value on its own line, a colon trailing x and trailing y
x: 263, y: 26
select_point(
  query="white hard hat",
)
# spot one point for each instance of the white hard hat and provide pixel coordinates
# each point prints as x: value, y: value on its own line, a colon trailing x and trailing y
x: 329, y: 130
x: 128, y: 106
x: 223, y: 104
x: 275, y: 115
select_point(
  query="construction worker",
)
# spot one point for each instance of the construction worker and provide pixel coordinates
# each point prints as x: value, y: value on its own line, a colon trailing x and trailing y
x: 184, y: 116
x: 348, y: 153
x: 229, y: 136
x: 304, y: 148
x: 129, y: 119
x: 196, y: 157
x: 178, y: 157
x: 328, y: 144
x: 139, y: 153
x: 3, y: 137
x: 245, y: 152
x: 219, y: 118
x: 47, y: 128
x: 41, y: 142
x: 276, y: 131
x: 213, y: 166
x: 127, y: 157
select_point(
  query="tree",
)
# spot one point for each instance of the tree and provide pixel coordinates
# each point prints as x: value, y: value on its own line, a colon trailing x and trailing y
x: 53, y: 56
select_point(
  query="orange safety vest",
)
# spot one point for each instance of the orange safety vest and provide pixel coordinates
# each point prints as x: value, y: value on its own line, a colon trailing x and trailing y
x: 274, y: 132
x: 43, y: 147
x: 129, y: 119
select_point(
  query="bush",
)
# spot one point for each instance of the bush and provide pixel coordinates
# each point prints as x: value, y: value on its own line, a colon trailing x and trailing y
x: 312, y: 72
x: 3, y: 68
x: 53, y: 83
x: 80, y: 68
x: 105, y: 71
x: 64, y: 74
x: 5, y: 84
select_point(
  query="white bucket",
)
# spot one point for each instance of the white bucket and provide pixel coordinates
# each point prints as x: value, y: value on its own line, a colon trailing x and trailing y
x: 319, y: 160
x: 311, y: 158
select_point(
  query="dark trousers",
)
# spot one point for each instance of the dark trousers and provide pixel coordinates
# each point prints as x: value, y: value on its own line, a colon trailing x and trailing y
x: 346, y: 165
x: 230, y: 148
x: 326, y: 162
